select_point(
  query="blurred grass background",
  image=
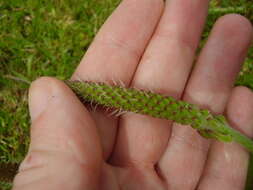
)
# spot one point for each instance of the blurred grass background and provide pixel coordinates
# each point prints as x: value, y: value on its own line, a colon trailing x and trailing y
x: 41, y: 37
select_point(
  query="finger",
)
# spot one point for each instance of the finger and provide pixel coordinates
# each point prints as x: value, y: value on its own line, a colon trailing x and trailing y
x: 227, y: 163
x: 209, y: 86
x: 116, y: 51
x: 164, y: 68
x: 65, y: 151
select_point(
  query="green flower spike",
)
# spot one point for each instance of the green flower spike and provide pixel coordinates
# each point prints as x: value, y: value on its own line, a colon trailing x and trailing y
x: 160, y: 106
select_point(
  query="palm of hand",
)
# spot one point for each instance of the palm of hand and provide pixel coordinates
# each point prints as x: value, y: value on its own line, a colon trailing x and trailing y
x: 150, y: 45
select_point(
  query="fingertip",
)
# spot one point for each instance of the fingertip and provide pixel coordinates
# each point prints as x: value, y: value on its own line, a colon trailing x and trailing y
x: 41, y: 92
x: 39, y: 95
x: 240, y: 109
x: 236, y: 25
x: 242, y: 90
x: 236, y: 20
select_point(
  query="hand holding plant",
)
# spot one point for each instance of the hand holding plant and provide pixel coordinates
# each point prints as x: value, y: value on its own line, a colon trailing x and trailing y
x: 146, y: 44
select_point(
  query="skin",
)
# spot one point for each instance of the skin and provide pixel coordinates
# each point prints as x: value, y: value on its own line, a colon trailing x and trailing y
x: 146, y: 44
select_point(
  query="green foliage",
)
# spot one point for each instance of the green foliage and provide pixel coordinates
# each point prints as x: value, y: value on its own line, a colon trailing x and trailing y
x: 246, y: 75
x: 39, y: 38
x: 5, y: 185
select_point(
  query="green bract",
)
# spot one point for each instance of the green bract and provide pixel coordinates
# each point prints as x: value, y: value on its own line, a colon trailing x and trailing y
x: 160, y: 106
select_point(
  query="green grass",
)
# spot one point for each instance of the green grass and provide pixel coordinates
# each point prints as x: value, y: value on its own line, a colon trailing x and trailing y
x: 41, y: 37
x: 5, y: 186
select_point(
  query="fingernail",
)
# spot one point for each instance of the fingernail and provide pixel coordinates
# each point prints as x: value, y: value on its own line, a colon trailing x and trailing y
x: 40, y: 94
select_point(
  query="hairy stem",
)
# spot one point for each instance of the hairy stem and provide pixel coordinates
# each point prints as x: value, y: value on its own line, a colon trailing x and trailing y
x: 160, y: 106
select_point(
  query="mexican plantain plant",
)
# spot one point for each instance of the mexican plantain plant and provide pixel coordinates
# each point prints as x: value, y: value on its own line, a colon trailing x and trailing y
x: 157, y: 105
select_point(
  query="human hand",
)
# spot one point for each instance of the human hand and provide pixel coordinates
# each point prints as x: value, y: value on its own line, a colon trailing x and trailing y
x: 147, y: 44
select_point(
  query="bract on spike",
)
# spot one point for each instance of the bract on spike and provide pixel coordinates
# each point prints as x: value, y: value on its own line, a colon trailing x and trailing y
x: 95, y: 108
x: 122, y: 84
x: 107, y: 109
x: 117, y: 114
x: 114, y: 82
x: 113, y: 112
x: 121, y: 113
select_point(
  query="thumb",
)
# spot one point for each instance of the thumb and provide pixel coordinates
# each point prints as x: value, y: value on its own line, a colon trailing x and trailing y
x: 65, y: 151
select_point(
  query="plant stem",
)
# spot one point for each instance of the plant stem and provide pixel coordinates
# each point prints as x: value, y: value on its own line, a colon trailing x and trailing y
x: 159, y: 106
